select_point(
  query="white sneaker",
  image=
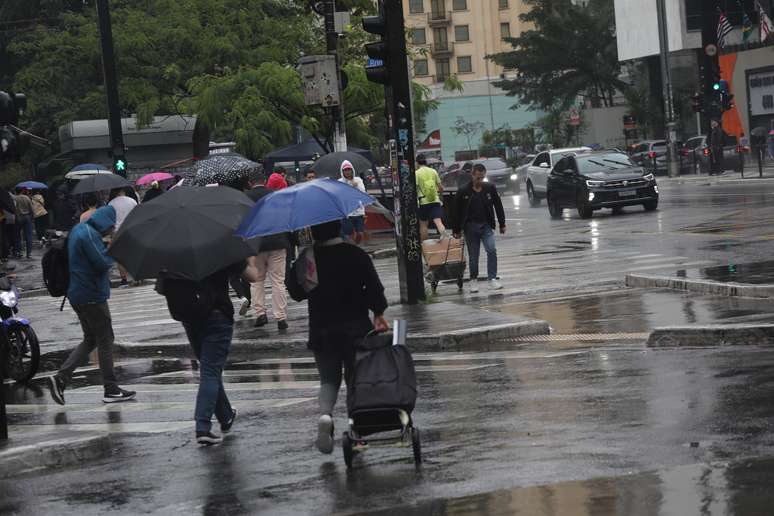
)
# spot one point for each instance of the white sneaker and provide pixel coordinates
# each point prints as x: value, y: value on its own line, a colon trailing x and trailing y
x: 494, y: 285
x: 325, y: 434
x: 474, y: 286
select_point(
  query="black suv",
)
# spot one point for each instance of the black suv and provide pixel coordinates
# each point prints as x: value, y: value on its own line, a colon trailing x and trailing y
x: 603, y: 179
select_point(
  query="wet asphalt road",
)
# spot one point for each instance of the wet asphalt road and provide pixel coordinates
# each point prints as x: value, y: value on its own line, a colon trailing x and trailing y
x: 661, y: 431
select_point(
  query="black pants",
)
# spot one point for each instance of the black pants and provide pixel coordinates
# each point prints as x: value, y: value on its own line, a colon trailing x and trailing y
x: 241, y: 286
x: 41, y: 225
x: 97, y: 328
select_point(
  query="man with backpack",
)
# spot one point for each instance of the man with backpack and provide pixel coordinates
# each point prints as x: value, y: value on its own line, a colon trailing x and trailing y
x: 428, y: 191
x: 88, y: 291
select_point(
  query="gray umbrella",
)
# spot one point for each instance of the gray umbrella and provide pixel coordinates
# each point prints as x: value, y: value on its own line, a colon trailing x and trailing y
x: 224, y: 169
x: 330, y: 164
x: 99, y: 183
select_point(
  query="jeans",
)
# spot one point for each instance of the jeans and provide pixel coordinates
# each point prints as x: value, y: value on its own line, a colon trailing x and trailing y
x: 329, y: 363
x: 476, y: 234
x: 211, y: 340
x: 24, y: 228
x: 97, y: 333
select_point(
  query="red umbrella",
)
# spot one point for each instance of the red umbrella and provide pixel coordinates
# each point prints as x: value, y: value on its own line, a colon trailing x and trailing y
x: 154, y: 176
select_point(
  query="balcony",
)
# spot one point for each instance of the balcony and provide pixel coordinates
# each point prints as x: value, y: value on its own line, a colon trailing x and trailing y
x: 441, y: 50
x: 439, y: 18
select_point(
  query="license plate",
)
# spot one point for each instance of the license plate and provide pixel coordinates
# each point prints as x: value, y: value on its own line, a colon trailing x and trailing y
x: 627, y: 193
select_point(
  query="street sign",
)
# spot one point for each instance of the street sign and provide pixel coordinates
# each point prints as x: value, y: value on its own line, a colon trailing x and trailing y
x: 374, y: 63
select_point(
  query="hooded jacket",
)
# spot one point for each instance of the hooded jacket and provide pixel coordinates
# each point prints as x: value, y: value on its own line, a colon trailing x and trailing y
x: 355, y: 182
x: 89, y: 263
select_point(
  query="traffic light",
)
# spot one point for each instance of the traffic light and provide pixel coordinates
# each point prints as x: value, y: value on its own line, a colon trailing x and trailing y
x: 724, y: 96
x: 377, y: 69
x: 120, y: 165
x: 11, y: 107
x: 697, y: 103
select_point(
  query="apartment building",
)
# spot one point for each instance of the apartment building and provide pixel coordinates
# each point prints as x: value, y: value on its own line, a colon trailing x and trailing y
x: 453, y: 37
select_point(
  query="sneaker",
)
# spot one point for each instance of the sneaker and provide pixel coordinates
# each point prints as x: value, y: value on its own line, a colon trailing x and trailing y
x: 56, y: 386
x: 473, y: 286
x: 244, y: 308
x: 495, y: 285
x: 208, y: 438
x: 282, y: 325
x: 262, y: 320
x: 325, y: 434
x: 124, y: 284
x: 225, y: 427
x: 359, y: 446
x: 117, y: 395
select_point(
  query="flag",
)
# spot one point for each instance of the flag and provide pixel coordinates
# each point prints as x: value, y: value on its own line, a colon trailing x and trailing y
x: 766, y: 27
x: 747, y: 27
x: 724, y: 29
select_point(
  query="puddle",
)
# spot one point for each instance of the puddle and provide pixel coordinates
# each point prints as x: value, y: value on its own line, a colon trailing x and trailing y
x: 755, y: 273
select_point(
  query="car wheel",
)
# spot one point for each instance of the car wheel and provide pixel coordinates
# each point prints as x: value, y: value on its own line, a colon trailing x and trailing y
x: 553, y: 208
x: 534, y: 200
x: 650, y: 205
x: 584, y: 210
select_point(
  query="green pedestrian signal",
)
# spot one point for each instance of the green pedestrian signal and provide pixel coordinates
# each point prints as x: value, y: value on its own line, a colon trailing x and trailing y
x: 120, y: 165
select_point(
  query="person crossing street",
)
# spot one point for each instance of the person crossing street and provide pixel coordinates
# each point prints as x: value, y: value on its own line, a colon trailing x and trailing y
x: 429, y: 189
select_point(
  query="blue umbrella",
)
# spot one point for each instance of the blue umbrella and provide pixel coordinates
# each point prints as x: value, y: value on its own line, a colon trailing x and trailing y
x: 302, y: 205
x: 32, y: 185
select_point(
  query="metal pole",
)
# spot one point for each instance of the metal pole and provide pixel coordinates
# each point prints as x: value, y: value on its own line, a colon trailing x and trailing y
x: 111, y: 79
x: 666, y: 79
x: 332, y: 46
x: 3, y: 416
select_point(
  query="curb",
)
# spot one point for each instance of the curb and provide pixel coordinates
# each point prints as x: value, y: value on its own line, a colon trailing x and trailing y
x: 712, y: 335
x: 717, y: 288
x: 53, y: 453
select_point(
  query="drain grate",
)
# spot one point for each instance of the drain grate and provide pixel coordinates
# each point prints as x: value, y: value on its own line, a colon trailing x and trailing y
x: 563, y: 337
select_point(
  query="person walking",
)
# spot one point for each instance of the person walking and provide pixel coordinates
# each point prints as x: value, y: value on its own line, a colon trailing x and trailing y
x: 207, y: 314
x: 88, y: 292
x: 40, y: 213
x: 429, y: 188
x: 123, y: 204
x: 24, y: 218
x: 311, y: 175
x: 716, y: 138
x: 277, y: 180
x: 89, y: 204
x: 153, y: 192
x: 353, y: 226
x: 341, y: 285
x: 771, y: 144
x: 477, y: 203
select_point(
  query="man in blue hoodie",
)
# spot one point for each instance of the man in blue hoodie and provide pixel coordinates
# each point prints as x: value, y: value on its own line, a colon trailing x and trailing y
x: 88, y: 293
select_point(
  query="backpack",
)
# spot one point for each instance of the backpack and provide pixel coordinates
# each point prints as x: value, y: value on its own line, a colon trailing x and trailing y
x: 428, y: 189
x: 56, y: 268
x: 187, y: 300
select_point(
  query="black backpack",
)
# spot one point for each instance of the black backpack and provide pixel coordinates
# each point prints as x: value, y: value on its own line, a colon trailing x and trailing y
x: 56, y: 268
x: 187, y: 300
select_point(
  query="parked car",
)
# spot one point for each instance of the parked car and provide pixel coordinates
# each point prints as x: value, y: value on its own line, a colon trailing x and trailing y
x: 498, y: 173
x: 540, y: 168
x: 696, y: 155
x: 651, y: 155
x: 602, y: 179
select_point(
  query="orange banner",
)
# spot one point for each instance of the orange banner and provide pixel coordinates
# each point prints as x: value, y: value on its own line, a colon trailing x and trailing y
x: 732, y: 122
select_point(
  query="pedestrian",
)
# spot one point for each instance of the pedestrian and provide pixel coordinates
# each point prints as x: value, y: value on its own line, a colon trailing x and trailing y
x: 353, y: 226
x: 207, y: 314
x: 771, y: 144
x: 477, y: 203
x: 153, y: 192
x: 9, y: 231
x: 311, y: 175
x: 40, y: 213
x: 89, y: 204
x: 269, y: 262
x: 716, y: 139
x: 88, y: 292
x: 64, y: 214
x: 123, y: 204
x: 341, y: 284
x: 277, y: 180
x: 429, y: 189
x: 24, y: 221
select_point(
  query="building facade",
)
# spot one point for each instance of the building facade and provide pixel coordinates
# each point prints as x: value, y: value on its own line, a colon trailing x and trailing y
x: 452, y: 38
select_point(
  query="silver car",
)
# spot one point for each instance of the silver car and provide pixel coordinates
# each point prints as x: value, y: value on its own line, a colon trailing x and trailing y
x: 540, y: 168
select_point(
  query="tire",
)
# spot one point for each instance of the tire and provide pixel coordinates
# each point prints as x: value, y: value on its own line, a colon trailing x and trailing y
x: 23, y: 353
x: 416, y: 445
x: 554, y: 209
x: 346, y: 446
x: 650, y: 205
x: 534, y: 200
x: 584, y: 210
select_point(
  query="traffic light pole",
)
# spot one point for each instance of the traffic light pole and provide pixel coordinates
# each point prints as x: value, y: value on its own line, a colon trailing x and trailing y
x: 666, y: 78
x: 111, y: 86
x: 332, y: 47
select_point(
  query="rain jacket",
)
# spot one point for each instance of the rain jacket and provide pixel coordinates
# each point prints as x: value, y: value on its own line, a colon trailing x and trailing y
x: 89, y: 263
x: 355, y: 182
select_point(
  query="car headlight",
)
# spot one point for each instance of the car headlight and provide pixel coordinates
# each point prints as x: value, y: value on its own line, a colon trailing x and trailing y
x: 649, y: 177
x: 594, y: 184
x: 9, y: 298
x: 514, y: 177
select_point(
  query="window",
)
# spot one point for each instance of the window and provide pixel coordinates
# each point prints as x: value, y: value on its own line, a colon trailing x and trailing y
x: 416, y: 6
x: 440, y: 39
x: 464, y: 64
x: 505, y: 30
x: 420, y: 68
x: 503, y: 4
x: 442, y: 70
x: 461, y: 33
x: 460, y: 5
x: 418, y: 36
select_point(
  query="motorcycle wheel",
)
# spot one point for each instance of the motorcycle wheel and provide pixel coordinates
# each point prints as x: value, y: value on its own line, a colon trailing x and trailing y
x: 23, y: 353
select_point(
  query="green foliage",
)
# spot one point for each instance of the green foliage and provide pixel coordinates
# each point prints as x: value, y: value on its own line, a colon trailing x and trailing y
x: 553, y: 126
x: 510, y: 138
x: 467, y: 129
x: 645, y: 108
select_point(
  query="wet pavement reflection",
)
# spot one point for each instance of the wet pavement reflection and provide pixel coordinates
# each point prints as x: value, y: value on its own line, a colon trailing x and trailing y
x: 754, y: 273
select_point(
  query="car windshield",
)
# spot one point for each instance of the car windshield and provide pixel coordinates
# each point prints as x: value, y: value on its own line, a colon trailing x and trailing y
x: 603, y: 163
x: 493, y: 164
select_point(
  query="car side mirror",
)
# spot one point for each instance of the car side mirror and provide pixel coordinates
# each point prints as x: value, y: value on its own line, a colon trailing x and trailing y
x: 543, y: 165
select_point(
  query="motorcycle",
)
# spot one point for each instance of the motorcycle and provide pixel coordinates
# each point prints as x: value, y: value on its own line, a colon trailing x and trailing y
x: 18, y: 339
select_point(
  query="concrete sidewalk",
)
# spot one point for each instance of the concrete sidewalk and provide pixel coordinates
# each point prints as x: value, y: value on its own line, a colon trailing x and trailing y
x: 26, y: 453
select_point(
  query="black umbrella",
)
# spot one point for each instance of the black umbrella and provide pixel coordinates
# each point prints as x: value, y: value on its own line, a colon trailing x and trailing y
x: 330, y: 164
x: 100, y: 182
x: 188, y: 231
x: 224, y: 169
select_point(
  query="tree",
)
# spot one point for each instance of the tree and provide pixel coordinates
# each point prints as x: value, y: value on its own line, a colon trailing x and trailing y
x: 571, y: 51
x: 462, y: 127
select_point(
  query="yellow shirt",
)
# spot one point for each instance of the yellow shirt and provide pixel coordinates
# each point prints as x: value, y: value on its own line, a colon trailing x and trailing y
x: 427, y: 185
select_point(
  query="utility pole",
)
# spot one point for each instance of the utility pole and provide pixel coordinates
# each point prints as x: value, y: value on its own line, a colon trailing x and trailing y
x: 666, y: 79
x: 117, y: 149
x: 332, y: 47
